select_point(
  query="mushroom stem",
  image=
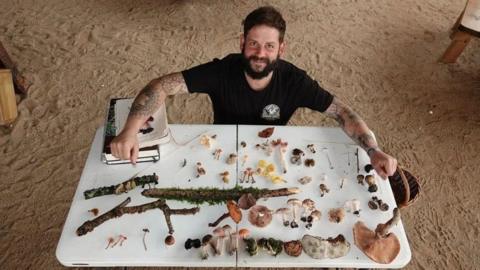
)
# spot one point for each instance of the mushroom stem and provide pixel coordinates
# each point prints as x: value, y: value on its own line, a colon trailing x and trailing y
x: 383, y: 229
x: 222, y: 217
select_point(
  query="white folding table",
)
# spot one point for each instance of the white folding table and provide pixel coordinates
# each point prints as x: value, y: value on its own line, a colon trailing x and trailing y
x: 335, y: 159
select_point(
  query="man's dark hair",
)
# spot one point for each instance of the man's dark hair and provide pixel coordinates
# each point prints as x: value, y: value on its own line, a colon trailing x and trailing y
x: 266, y: 15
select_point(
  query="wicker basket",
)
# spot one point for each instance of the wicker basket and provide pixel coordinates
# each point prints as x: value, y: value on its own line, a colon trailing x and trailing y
x: 406, y: 188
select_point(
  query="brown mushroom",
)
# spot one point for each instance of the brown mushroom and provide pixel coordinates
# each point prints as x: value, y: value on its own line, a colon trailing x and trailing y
x: 219, y: 234
x: 379, y: 245
x: 246, y: 201
x: 336, y: 215
x: 233, y: 211
x: 266, y: 133
x: 260, y: 216
x: 293, y: 248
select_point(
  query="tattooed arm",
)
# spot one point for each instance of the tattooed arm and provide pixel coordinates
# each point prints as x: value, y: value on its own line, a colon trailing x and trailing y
x: 357, y: 129
x: 147, y: 102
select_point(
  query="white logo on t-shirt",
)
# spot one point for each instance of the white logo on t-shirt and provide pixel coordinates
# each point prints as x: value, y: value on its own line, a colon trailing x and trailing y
x: 271, y: 112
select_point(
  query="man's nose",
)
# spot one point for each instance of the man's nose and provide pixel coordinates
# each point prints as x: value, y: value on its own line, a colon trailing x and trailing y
x: 261, y: 52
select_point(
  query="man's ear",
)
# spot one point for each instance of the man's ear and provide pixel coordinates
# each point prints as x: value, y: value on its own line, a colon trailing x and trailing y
x: 242, y: 42
x: 281, y: 50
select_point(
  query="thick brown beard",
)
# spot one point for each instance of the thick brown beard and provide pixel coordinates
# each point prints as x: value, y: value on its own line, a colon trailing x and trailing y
x: 257, y: 75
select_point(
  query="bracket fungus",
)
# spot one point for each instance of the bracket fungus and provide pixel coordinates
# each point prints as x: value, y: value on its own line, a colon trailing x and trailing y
x: 379, y: 245
x: 319, y: 248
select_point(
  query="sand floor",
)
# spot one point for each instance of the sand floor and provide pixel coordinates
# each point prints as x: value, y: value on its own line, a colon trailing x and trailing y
x: 380, y: 57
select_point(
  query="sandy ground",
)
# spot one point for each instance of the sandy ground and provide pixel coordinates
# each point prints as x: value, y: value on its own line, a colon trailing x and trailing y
x: 378, y: 56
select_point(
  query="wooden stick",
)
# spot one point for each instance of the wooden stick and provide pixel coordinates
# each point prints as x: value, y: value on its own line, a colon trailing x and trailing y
x: 121, y: 209
x: 214, y: 195
x: 123, y: 187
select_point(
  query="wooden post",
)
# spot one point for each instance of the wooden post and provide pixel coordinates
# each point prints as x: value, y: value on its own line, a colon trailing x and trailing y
x: 460, y: 40
x: 8, y: 103
x: 19, y: 81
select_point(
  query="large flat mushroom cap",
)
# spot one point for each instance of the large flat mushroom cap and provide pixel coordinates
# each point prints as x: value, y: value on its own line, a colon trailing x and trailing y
x: 379, y: 249
x: 260, y: 216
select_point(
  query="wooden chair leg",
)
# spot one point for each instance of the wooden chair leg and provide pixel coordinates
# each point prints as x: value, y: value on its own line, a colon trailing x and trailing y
x: 459, y: 42
x: 455, y: 26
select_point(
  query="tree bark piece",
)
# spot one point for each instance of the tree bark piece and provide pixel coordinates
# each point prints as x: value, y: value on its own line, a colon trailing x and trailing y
x: 214, y: 195
x: 122, y: 187
x: 122, y: 209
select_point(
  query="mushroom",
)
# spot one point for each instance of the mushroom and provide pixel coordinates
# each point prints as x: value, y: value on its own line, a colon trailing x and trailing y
x: 207, y: 141
x: 265, y: 146
x: 232, y: 158
x: 246, y: 201
x: 233, y: 212
x: 311, y: 147
x: 219, y: 234
x: 195, y: 243
x: 204, y: 250
x: 376, y: 201
x: 323, y: 190
x: 243, y: 144
x: 260, y: 216
x: 242, y: 233
x: 282, y: 150
x: 368, y: 168
x: 308, y: 206
x: 228, y: 230
x: 360, y: 179
x: 169, y: 240
x: 266, y: 133
x: 294, y: 203
x: 319, y: 248
x: 200, y: 169
x: 309, y: 162
x: 305, y: 180
x: 251, y: 246
x: 94, y: 211
x: 293, y: 248
x: 284, y: 212
x: 353, y: 206
x: 372, y: 187
x: 379, y: 245
x: 217, y: 153
x: 314, y: 216
x: 296, y: 157
x: 336, y: 215
x: 273, y: 246
x: 225, y: 177
x: 244, y: 159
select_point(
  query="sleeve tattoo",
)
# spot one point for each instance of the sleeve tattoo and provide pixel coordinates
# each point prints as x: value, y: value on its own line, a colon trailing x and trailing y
x: 152, y: 96
x: 352, y: 124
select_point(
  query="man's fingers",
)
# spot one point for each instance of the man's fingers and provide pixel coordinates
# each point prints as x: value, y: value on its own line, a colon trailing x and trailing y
x: 134, y: 155
x: 125, y: 153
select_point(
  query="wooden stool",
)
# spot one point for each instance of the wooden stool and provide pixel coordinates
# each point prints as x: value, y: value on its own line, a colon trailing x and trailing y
x: 466, y: 27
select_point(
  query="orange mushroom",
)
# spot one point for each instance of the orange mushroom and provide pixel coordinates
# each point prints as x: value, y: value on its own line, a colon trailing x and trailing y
x: 379, y: 245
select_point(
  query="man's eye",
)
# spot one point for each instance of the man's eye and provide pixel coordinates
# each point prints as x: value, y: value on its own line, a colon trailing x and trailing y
x: 270, y: 46
x: 252, y: 44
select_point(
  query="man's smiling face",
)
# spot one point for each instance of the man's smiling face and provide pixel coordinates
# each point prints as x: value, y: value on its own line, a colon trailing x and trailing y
x: 261, y: 48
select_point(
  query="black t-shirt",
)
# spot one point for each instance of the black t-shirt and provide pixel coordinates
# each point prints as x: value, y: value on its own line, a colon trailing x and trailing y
x: 234, y: 102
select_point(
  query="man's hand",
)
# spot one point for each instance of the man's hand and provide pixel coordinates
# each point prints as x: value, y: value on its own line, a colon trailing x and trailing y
x: 384, y: 164
x: 125, y: 146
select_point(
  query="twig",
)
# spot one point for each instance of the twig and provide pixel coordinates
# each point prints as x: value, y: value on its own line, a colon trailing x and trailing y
x: 122, y: 187
x: 121, y: 209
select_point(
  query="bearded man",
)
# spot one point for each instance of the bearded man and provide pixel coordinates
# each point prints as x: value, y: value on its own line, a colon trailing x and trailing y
x: 254, y: 87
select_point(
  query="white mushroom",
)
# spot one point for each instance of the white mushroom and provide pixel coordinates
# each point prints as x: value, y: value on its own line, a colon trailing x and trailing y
x: 305, y: 180
x: 294, y: 203
x: 284, y: 212
x: 219, y: 233
x: 353, y: 206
